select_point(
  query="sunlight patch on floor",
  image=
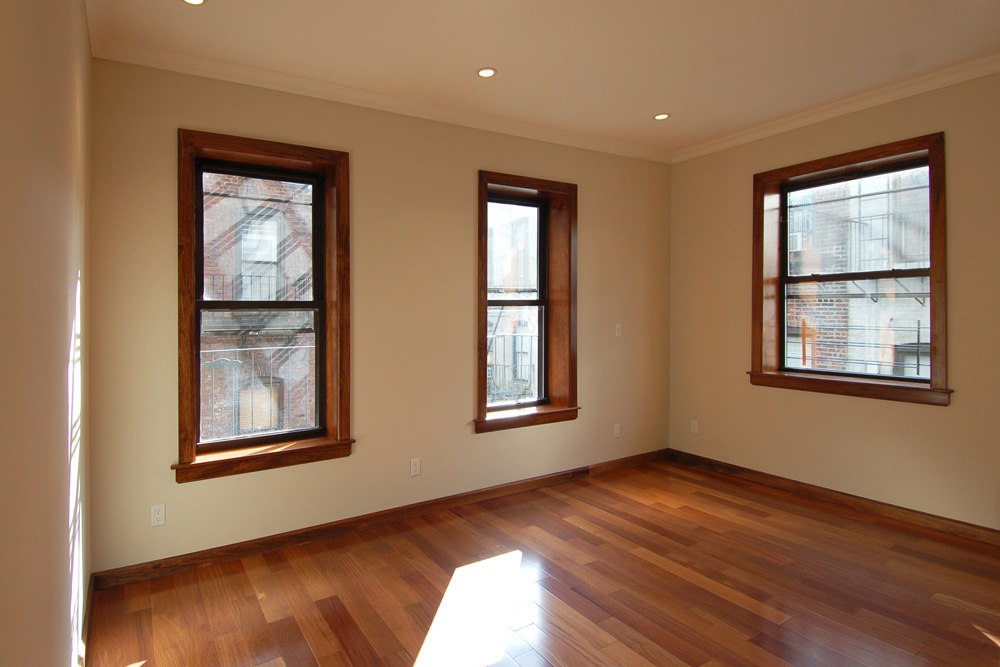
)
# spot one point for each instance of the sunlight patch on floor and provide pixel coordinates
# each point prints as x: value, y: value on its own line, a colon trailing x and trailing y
x: 471, y: 625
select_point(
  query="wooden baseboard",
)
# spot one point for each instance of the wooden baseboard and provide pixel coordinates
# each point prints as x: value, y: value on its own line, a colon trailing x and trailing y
x: 951, y: 527
x: 164, y: 566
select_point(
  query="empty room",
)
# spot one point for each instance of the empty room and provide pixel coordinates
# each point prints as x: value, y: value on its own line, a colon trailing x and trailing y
x: 517, y: 333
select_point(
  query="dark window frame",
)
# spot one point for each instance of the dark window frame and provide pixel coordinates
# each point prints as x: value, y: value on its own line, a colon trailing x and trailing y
x: 769, y: 269
x: 236, y: 305
x: 204, y: 151
x: 542, y: 302
x: 558, y: 261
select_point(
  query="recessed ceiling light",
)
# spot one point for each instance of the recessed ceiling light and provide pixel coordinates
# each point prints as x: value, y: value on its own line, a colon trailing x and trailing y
x: 487, y: 72
x: 194, y: 2
x: 661, y: 116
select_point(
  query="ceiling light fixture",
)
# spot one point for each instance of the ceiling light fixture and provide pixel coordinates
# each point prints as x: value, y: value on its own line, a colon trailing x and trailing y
x: 487, y: 72
x: 661, y: 116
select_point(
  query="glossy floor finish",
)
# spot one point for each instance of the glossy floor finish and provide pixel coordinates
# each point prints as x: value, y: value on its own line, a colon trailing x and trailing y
x: 655, y: 565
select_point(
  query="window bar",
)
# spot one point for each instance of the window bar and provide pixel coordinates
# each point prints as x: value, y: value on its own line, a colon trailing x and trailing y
x: 213, y: 394
x: 253, y: 389
x: 234, y: 397
x: 918, y: 347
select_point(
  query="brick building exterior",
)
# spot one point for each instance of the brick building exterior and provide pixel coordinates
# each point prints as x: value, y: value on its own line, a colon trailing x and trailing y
x: 258, y: 367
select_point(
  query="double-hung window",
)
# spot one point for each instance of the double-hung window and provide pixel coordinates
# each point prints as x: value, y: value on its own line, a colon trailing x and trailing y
x: 527, y: 302
x: 263, y: 305
x: 849, y: 274
x: 516, y: 303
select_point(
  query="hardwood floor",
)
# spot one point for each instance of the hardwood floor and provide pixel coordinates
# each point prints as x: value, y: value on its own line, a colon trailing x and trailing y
x: 661, y: 564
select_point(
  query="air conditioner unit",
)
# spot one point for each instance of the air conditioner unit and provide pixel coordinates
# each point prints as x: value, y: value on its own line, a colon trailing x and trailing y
x: 795, y: 242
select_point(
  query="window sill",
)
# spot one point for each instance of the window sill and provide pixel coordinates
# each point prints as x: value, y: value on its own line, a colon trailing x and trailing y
x: 264, y: 457
x: 890, y: 390
x: 518, y: 417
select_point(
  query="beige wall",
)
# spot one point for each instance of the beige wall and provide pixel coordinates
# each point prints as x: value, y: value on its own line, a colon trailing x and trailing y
x: 413, y: 228
x: 44, y: 69
x: 939, y: 460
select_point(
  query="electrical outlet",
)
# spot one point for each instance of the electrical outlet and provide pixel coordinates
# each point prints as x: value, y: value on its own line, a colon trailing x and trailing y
x: 618, y: 430
x: 414, y: 467
x: 157, y: 515
x: 694, y: 426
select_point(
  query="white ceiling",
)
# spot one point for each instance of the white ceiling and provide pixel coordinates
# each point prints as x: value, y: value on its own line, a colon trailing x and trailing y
x: 589, y: 73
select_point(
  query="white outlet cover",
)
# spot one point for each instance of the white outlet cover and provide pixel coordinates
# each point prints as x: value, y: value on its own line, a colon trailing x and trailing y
x: 157, y: 515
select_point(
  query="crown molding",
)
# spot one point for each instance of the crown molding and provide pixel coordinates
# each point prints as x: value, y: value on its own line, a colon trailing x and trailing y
x: 216, y: 69
x: 97, y: 24
x: 98, y: 19
x: 922, y: 84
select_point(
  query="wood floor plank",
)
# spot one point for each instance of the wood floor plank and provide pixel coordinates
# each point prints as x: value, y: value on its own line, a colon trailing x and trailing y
x: 293, y: 646
x: 137, y: 638
x: 317, y: 633
x: 137, y: 596
x: 712, y: 586
x: 661, y: 564
x: 232, y: 651
x: 270, y: 594
x: 407, y: 629
x: 254, y: 628
x: 175, y: 642
x: 107, y: 625
x: 640, y: 644
x: 359, y: 651
x: 561, y: 649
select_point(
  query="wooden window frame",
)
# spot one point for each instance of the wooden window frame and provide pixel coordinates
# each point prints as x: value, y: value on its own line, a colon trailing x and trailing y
x: 331, y: 439
x: 559, y: 201
x: 766, y: 364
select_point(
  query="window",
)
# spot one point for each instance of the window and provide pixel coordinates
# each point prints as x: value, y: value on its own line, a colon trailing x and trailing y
x: 527, y: 302
x: 516, y: 304
x: 263, y: 305
x: 849, y: 274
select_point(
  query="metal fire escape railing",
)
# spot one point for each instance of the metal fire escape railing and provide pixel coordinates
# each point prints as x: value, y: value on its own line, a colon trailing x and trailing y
x: 228, y: 372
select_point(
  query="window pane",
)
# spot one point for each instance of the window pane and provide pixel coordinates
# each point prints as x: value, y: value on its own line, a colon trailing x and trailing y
x: 258, y: 239
x: 512, y: 251
x: 874, y: 327
x: 874, y: 223
x: 258, y: 373
x: 513, y: 354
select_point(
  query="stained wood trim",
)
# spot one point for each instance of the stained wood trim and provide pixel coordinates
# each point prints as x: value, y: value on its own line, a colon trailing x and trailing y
x: 514, y: 184
x: 482, y: 300
x: 836, y: 166
x: 279, y: 455
x: 908, y: 392
x: 539, y: 414
x: 334, y: 441
x: 560, y: 379
x: 341, y: 363
x: 187, y: 356
x: 952, y: 527
x: 939, y: 293
x: 164, y: 566
x: 766, y: 357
